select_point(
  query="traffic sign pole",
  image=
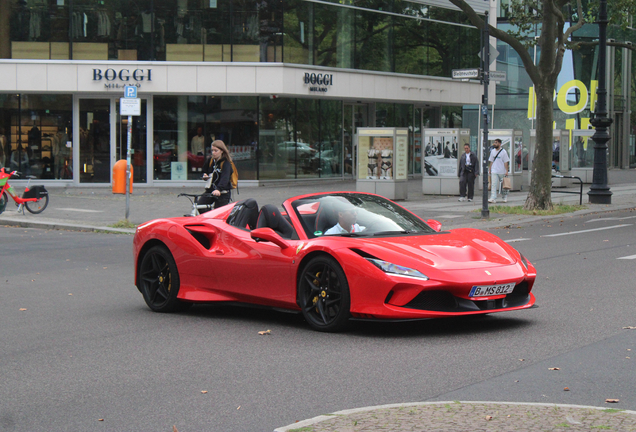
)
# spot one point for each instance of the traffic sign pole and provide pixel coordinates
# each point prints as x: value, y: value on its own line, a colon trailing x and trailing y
x: 130, y: 120
x: 485, y: 212
x: 130, y: 105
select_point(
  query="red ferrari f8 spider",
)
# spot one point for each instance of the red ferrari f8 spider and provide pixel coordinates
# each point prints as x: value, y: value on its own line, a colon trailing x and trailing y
x: 332, y: 257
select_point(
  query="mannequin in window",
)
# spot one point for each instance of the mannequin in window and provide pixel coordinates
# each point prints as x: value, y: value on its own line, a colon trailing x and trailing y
x: 20, y: 160
x: 197, y: 145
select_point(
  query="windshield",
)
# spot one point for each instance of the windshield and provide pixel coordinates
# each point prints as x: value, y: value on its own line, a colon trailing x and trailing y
x: 355, y: 215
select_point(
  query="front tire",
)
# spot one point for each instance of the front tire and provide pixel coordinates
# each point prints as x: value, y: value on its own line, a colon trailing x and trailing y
x: 323, y: 295
x: 38, y: 206
x: 159, y: 280
x: 4, y: 199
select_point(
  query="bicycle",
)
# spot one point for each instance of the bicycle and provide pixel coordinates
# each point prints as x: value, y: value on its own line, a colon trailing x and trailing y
x: 34, y: 199
x: 196, y: 207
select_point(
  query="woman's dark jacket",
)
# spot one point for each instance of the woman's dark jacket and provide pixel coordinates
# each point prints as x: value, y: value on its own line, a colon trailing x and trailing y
x: 220, y: 171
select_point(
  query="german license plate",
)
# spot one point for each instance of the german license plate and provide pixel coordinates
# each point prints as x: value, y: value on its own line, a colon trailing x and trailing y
x: 491, y: 290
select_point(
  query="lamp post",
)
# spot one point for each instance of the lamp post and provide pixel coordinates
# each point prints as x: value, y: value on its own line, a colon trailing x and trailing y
x: 599, y: 192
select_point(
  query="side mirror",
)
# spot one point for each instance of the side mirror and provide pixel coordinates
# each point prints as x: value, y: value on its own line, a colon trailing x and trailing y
x: 436, y: 225
x: 268, y: 234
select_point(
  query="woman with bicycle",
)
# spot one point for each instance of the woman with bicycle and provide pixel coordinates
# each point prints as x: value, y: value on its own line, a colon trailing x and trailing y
x: 218, y: 173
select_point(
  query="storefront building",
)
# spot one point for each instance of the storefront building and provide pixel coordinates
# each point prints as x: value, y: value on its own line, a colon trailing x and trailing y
x: 284, y: 84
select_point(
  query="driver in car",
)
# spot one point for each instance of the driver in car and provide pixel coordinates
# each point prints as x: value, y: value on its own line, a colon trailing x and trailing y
x: 347, y: 216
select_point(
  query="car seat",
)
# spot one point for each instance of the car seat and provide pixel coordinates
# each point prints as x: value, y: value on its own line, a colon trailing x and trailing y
x: 326, y: 216
x: 270, y: 217
x: 244, y: 214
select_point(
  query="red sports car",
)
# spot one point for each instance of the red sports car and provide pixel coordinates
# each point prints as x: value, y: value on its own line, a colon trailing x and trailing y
x: 332, y: 257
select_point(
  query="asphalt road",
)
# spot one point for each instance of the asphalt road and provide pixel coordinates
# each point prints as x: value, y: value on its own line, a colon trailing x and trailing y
x: 87, y: 354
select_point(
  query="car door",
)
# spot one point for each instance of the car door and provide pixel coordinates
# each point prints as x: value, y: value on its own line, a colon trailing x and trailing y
x: 254, y: 271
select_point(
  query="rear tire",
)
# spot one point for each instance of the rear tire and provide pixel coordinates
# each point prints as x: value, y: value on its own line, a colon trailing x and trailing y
x: 159, y: 281
x: 38, y: 206
x: 4, y: 200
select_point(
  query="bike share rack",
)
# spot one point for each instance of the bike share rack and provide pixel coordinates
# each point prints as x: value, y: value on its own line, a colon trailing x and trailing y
x: 580, y: 193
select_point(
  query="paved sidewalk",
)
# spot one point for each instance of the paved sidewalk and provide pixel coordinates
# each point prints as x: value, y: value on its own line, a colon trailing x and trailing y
x: 470, y: 416
x: 97, y: 208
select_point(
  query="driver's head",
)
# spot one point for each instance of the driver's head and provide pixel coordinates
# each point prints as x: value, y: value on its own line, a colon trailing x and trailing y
x: 347, y: 214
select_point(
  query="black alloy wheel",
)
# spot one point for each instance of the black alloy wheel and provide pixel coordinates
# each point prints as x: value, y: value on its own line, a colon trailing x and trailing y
x: 159, y: 280
x: 323, y: 295
x: 38, y: 206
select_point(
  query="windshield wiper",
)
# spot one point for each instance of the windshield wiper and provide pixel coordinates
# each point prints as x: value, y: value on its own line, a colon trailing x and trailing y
x: 353, y: 234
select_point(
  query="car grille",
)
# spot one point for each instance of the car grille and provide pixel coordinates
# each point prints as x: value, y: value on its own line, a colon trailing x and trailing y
x: 443, y: 301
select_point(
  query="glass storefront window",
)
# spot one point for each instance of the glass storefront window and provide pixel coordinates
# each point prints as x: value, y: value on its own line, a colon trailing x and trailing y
x: 36, y: 135
x: 94, y: 151
x: 277, y: 138
x: 174, y: 30
x: 186, y: 126
x: 138, y: 142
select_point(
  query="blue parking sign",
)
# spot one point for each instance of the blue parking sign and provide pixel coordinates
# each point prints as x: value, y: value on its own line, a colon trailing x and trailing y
x: 130, y: 91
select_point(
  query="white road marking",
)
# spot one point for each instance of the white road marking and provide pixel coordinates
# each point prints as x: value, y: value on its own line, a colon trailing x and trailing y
x: 448, y: 216
x: 586, y: 231
x: 610, y: 218
x: 628, y: 257
x: 516, y: 240
x: 79, y: 210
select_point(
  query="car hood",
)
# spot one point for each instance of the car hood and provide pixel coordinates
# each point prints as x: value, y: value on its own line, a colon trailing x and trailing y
x: 457, y: 249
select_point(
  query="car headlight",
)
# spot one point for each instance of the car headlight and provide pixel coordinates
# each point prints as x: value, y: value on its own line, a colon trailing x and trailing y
x: 395, y: 269
x: 524, y: 261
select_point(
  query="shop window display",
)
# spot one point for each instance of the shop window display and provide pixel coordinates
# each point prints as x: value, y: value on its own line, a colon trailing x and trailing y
x: 186, y: 126
x: 35, y: 135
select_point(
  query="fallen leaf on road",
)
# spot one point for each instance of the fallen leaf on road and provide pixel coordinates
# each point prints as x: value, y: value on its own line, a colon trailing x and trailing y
x: 174, y: 429
x: 612, y: 400
x: 239, y: 407
x: 522, y: 359
x: 100, y: 419
x: 204, y: 391
x: 629, y: 327
x: 566, y: 389
x: 70, y: 293
x: 23, y: 309
x: 264, y: 333
x: 105, y: 268
x: 488, y: 417
x: 553, y: 368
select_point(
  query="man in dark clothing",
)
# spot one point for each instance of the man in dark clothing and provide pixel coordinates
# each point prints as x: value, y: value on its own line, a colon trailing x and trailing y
x: 468, y: 171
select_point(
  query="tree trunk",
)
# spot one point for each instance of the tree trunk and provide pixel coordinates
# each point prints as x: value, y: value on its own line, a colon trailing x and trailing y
x: 539, y: 196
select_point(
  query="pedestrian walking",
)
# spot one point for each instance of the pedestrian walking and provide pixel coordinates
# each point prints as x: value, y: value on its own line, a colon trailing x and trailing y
x: 468, y: 171
x: 498, y: 164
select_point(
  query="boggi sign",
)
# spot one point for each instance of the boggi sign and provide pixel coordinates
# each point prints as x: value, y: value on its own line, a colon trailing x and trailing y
x: 123, y: 75
x: 318, y: 82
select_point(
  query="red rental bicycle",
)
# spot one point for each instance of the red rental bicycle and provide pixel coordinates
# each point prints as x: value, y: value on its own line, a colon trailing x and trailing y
x: 35, y: 198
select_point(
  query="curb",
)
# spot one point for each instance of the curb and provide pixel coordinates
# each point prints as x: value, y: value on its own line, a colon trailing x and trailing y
x: 305, y: 425
x: 63, y: 226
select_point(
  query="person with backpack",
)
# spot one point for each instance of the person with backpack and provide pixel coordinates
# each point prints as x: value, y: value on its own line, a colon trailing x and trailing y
x: 219, y: 171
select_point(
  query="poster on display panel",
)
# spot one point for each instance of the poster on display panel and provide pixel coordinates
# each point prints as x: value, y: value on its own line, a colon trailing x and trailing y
x: 441, y: 149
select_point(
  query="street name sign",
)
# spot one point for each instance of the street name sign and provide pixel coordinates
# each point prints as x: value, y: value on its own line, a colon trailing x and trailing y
x: 466, y: 73
x: 497, y: 75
